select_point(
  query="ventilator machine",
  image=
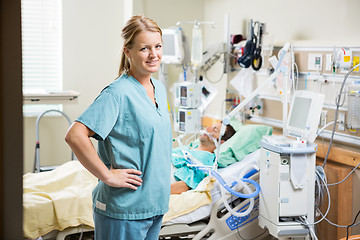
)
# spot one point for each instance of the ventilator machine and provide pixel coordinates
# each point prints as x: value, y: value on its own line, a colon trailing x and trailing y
x: 287, y: 170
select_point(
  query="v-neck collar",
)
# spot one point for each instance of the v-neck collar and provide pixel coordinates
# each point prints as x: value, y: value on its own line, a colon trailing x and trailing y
x: 142, y: 89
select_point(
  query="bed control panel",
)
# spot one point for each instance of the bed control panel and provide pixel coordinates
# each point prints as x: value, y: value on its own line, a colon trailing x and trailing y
x: 234, y: 222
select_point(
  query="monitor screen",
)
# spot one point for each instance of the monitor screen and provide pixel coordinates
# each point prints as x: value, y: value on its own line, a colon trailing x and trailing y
x: 299, y: 117
x: 304, y: 115
x: 182, y: 116
x: 183, y: 91
x: 169, y: 45
x: 173, y: 51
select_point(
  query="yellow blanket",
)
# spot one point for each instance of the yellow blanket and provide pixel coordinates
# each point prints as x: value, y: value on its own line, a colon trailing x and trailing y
x: 186, y: 202
x: 57, y: 199
x: 61, y: 198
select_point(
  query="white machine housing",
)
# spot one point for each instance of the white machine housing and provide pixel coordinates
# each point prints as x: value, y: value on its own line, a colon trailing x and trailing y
x: 187, y: 120
x: 281, y: 204
x: 287, y: 170
x: 173, y: 46
x: 188, y: 95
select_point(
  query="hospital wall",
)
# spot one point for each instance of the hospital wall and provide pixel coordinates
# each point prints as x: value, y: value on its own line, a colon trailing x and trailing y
x: 91, y: 57
x: 92, y: 41
x: 91, y: 50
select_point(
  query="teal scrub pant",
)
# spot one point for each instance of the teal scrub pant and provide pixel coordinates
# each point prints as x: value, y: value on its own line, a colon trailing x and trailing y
x: 107, y: 228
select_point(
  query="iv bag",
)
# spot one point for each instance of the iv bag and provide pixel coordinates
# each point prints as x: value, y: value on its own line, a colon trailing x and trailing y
x: 196, y: 48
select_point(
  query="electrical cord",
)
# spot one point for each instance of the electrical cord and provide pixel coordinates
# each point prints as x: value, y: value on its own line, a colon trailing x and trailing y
x: 82, y: 232
x: 340, y: 226
x: 206, y: 75
x: 351, y: 225
x: 311, y: 228
x: 319, y: 191
x: 333, y: 184
x: 323, y: 128
x: 320, y: 175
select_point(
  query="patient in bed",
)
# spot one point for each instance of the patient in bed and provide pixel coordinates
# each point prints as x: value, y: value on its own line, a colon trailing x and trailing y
x: 187, y: 177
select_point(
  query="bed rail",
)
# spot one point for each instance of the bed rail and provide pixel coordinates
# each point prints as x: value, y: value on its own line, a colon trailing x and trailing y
x: 37, y: 167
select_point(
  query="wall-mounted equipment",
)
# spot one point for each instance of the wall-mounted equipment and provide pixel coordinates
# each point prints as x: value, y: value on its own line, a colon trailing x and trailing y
x: 353, y: 113
x: 252, y: 50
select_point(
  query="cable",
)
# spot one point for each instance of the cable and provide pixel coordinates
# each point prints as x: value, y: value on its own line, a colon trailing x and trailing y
x: 297, y: 76
x: 347, y: 228
x: 320, y: 175
x: 82, y: 232
x: 333, y: 184
x: 327, y: 190
x: 308, y: 225
x: 207, y: 78
x: 337, y: 101
x: 339, y: 226
x: 322, y: 129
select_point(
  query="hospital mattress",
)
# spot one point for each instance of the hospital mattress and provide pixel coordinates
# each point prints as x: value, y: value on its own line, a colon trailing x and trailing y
x: 57, y: 200
x: 203, y: 210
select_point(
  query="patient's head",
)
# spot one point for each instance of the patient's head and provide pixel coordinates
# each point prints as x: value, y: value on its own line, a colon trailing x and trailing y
x: 207, y: 144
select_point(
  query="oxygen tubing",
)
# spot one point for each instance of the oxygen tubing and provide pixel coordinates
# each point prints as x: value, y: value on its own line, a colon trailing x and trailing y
x: 231, y: 210
x: 224, y: 184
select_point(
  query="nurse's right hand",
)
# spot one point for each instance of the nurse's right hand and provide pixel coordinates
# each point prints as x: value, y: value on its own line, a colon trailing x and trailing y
x: 124, y: 178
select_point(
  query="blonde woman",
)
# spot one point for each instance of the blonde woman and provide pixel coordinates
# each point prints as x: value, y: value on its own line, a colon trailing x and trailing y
x: 131, y: 122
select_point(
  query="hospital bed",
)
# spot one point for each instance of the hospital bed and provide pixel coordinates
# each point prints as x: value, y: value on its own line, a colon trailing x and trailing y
x: 58, y: 203
x: 212, y: 220
x: 56, y: 199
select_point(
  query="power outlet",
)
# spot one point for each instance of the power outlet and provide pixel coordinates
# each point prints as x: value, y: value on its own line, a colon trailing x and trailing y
x: 341, y: 124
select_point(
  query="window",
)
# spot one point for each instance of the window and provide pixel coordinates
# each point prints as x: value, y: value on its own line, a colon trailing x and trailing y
x: 41, y: 50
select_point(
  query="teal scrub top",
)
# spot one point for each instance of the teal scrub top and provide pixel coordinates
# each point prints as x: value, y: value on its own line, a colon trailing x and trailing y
x: 190, y: 175
x: 132, y: 132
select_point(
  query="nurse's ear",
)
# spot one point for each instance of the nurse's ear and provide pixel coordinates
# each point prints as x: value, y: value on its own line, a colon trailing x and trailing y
x: 126, y: 52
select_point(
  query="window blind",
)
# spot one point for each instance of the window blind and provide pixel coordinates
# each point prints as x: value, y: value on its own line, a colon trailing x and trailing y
x: 41, y: 48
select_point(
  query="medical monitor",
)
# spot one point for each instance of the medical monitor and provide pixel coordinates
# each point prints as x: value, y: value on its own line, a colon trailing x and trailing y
x: 304, y: 115
x: 173, y: 49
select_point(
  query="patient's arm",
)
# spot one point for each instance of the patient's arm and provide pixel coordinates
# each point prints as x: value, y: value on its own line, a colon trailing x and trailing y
x: 179, y: 187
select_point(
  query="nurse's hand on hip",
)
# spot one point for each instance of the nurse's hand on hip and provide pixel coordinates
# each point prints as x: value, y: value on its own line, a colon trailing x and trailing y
x: 78, y: 138
x: 124, y: 178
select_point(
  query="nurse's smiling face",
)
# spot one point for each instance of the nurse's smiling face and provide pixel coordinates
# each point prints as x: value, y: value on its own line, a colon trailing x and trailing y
x: 145, y: 55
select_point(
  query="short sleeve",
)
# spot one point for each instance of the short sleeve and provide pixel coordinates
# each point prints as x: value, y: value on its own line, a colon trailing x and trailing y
x: 101, y: 115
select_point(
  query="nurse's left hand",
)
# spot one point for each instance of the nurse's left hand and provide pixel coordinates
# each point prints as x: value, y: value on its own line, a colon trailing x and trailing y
x: 124, y: 178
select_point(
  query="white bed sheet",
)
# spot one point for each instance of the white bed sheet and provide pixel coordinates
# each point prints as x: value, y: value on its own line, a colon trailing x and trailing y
x: 231, y: 171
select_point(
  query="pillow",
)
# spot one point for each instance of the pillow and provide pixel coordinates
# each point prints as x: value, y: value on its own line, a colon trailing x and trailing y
x: 246, y: 140
x: 236, y: 124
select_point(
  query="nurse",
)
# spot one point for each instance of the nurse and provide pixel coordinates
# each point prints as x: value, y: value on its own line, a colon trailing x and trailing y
x: 130, y: 120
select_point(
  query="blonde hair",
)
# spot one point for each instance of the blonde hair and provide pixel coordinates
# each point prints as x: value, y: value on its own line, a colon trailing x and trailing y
x: 135, y: 25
